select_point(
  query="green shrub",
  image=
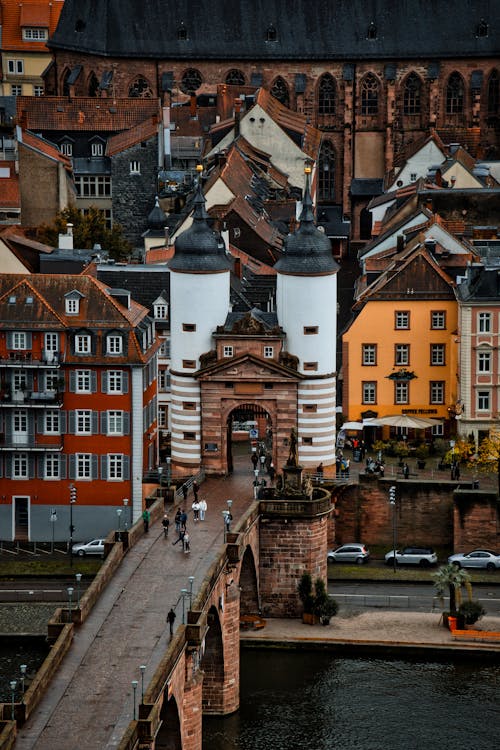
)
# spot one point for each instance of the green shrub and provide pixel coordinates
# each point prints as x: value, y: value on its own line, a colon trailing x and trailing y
x: 472, y: 611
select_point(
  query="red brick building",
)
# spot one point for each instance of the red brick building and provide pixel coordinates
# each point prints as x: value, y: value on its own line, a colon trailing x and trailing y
x: 78, y: 405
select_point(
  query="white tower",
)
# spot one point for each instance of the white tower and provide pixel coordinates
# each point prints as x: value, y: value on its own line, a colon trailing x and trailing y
x: 306, y: 304
x: 199, y: 301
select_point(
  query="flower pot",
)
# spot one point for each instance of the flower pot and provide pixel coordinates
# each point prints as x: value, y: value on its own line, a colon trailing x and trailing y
x: 309, y: 619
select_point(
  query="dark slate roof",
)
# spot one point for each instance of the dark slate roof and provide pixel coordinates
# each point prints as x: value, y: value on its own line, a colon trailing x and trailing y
x: 307, y: 250
x: 198, y: 248
x: 481, y: 285
x: 157, y: 219
x: 367, y: 186
x: 268, y: 319
x: 305, y: 29
x: 331, y: 218
x: 145, y: 283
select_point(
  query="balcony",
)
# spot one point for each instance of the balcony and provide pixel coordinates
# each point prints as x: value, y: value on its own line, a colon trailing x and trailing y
x: 28, y: 359
x: 30, y: 442
x: 40, y: 399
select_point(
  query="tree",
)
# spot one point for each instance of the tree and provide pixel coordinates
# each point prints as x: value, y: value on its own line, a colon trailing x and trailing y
x: 451, y: 578
x: 487, y: 458
x: 88, y: 230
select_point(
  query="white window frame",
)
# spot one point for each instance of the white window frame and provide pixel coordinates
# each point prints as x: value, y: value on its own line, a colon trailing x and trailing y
x: 437, y: 391
x: 52, y: 421
x: 83, y: 381
x: 402, y: 320
x: 228, y: 351
x: 66, y: 148
x: 163, y: 417
x: 437, y: 430
x: 114, y: 344
x: 97, y: 148
x: 35, y: 34
x: 484, y: 322
x: 93, y: 186
x: 115, y: 467
x: 19, y: 380
x: 72, y: 306
x: 19, y: 341
x: 369, y: 355
x: 83, y: 343
x: 401, y: 392
x: 20, y: 466
x: 16, y: 90
x: 369, y: 392
x: 38, y: 91
x: 483, y: 400
x: 115, y: 378
x: 268, y: 352
x: 83, y: 422
x: 52, y: 467
x: 51, y: 342
x: 51, y: 380
x: 402, y: 355
x: 160, y: 311
x: 135, y: 167
x: 83, y: 466
x: 438, y: 320
x: 484, y: 361
x: 15, y: 67
x: 438, y: 355
x: 115, y: 422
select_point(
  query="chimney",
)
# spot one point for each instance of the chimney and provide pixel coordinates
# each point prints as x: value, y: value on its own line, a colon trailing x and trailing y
x: 430, y: 245
x: 237, y: 268
x: 237, y: 110
x: 400, y: 240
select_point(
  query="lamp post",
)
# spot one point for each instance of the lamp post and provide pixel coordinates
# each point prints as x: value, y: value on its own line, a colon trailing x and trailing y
x: 184, y: 593
x: 78, y: 581
x: 53, y: 521
x: 392, y: 501
x: 23, y: 668
x: 13, y: 685
x: 169, y: 468
x: 70, y: 601
x: 134, y: 688
x: 225, y: 513
x: 143, y: 669
x: 191, y: 581
x: 72, y: 501
x: 119, y: 514
x: 125, y: 503
x: 160, y: 475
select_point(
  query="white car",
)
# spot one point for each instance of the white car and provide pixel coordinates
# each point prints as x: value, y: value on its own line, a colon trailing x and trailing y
x: 355, y: 552
x: 478, y: 558
x: 95, y: 547
x: 423, y: 556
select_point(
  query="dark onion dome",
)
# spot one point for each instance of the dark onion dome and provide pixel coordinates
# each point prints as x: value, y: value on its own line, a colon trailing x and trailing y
x: 157, y: 219
x: 307, y: 250
x: 199, y: 249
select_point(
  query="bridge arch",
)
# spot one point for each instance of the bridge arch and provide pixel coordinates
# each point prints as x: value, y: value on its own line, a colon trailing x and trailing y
x: 169, y: 735
x: 239, y: 416
x: 249, y: 589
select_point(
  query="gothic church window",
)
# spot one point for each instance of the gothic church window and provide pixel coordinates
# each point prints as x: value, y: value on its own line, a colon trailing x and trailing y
x: 271, y: 33
x: 369, y: 95
x: 280, y: 92
x: 235, y: 78
x: 326, y: 172
x: 140, y: 89
x: 455, y: 95
x: 93, y: 85
x: 371, y: 31
x: 493, y: 93
x: 412, y: 95
x: 182, y: 33
x: 326, y: 95
x: 65, y: 84
x: 191, y: 80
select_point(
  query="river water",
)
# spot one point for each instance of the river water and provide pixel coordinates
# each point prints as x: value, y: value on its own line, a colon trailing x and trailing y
x: 318, y: 701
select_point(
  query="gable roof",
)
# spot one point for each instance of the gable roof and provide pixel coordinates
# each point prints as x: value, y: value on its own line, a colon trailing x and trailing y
x: 220, y: 368
x: 131, y: 137
x: 309, y: 29
x: 43, y: 147
x: 15, y: 16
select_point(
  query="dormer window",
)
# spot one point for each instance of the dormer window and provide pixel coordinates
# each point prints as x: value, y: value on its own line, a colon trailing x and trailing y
x: 35, y: 34
x: 182, y: 33
x: 97, y: 148
x: 66, y: 148
x: 372, y: 31
x: 160, y: 310
x: 114, y: 344
x: 72, y: 303
x: 271, y: 34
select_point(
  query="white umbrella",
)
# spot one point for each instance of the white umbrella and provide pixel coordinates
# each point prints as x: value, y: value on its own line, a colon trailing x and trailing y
x: 352, y: 426
x: 402, y: 420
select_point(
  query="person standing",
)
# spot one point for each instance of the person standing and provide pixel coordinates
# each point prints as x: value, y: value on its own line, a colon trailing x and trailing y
x: 196, y: 510
x: 146, y: 518
x: 171, y: 619
x: 203, y: 509
x: 183, y: 520
x: 262, y: 461
x: 272, y: 472
x: 406, y: 470
x: 185, y: 542
x: 196, y: 488
x: 177, y: 520
x: 165, y: 523
x: 184, y: 491
x: 255, y: 459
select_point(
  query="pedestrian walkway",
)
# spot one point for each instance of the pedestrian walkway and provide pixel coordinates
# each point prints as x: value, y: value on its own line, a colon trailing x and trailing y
x: 90, y: 702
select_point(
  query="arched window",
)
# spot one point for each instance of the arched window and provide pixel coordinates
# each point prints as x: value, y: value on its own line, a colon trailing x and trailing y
x: 455, y: 95
x: 412, y: 95
x: 182, y: 33
x: 371, y: 32
x: 64, y: 82
x: 271, y: 33
x: 326, y: 95
x: 235, y: 78
x: 369, y: 95
x: 326, y: 172
x: 140, y: 89
x: 280, y: 92
x: 191, y: 80
x: 93, y: 85
x: 493, y: 93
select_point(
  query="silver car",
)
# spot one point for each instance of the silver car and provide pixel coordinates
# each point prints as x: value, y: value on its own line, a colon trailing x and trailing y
x: 95, y: 547
x: 422, y: 556
x: 354, y: 553
x: 478, y: 558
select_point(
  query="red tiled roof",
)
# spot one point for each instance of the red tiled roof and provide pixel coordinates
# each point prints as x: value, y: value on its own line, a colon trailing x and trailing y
x: 127, y: 138
x: 9, y: 187
x: 159, y: 254
x: 30, y: 140
x: 289, y: 120
x: 83, y: 113
x: 15, y: 15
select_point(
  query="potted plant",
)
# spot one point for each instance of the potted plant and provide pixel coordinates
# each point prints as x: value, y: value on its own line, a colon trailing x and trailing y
x: 451, y: 579
x: 307, y: 598
x: 421, y: 453
x: 324, y: 607
x: 472, y: 611
x: 402, y: 451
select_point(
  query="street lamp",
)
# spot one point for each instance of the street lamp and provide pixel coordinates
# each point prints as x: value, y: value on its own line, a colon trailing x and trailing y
x: 13, y: 685
x: 53, y: 521
x: 70, y: 598
x: 125, y: 503
x: 23, y: 668
x: 160, y: 473
x: 134, y: 688
x: 184, y: 593
x: 72, y: 501
x: 225, y: 514
x: 143, y: 669
x: 191, y: 581
x: 78, y: 581
x: 392, y: 501
x: 119, y: 514
x: 169, y: 468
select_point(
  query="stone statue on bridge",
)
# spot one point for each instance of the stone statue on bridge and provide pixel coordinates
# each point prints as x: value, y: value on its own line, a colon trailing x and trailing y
x: 292, y: 455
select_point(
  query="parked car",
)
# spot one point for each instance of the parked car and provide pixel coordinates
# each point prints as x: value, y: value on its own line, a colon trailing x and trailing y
x: 354, y: 552
x: 423, y: 556
x: 478, y: 558
x: 94, y: 547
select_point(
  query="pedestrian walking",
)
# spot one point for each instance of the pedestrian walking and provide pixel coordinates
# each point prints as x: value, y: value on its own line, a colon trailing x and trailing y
x: 165, y: 523
x: 180, y: 538
x: 272, y: 472
x: 183, y: 520
x: 185, y: 543
x: 406, y: 470
x: 184, y: 491
x: 177, y: 520
x: 146, y: 518
x: 203, y: 508
x: 262, y: 461
x: 255, y: 459
x: 171, y: 619
x: 347, y: 467
x: 196, y: 488
x: 196, y: 510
